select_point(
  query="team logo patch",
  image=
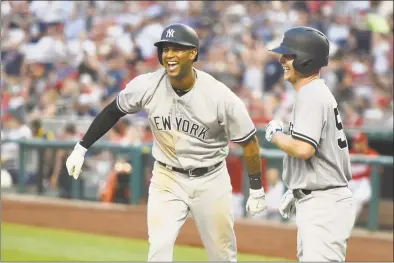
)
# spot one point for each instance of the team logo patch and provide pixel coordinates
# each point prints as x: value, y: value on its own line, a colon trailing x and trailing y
x: 170, y: 32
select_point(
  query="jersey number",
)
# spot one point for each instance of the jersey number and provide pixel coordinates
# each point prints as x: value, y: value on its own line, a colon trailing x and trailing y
x: 341, y: 142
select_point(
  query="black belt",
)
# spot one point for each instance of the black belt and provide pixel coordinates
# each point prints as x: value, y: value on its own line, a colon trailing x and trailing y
x: 300, y: 193
x: 192, y: 172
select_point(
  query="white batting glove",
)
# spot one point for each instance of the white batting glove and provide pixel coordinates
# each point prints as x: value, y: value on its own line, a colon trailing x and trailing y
x: 287, y: 204
x: 256, y: 202
x: 75, y: 161
x: 272, y: 128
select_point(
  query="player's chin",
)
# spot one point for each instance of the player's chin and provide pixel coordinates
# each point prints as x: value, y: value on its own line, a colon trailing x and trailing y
x: 287, y: 75
x: 173, y: 73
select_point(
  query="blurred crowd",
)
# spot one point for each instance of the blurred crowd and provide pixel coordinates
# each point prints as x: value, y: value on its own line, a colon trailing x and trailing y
x: 67, y: 60
x: 63, y: 61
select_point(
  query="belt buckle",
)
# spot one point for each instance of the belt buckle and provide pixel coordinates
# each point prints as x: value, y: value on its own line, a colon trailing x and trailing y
x: 190, y: 172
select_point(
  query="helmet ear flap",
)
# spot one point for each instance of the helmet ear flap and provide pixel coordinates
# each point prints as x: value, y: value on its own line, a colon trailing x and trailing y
x: 304, y: 65
x: 309, y: 65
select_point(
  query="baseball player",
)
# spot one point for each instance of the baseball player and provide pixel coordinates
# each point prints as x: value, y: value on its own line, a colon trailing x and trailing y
x: 316, y: 169
x: 192, y: 117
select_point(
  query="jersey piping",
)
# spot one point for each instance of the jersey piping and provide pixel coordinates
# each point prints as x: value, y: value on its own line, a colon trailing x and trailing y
x: 245, y: 138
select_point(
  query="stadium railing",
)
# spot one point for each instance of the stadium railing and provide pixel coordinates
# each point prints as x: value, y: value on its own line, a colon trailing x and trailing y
x: 136, y: 155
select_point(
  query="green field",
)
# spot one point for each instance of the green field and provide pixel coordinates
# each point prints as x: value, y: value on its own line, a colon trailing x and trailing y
x: 27, y: 243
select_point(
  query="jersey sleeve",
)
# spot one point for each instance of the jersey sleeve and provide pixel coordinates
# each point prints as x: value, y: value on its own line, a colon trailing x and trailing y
x: 238, y: 124
x: 131, y: 98
x: 309, y: 120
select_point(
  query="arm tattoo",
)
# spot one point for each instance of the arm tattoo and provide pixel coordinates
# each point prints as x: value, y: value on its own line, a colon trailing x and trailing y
x: 252, y: 156
x: 253, y: 162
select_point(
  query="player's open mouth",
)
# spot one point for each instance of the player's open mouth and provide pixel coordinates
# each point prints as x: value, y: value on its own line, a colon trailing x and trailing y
x: 286, y: 69
x: 172, y: 65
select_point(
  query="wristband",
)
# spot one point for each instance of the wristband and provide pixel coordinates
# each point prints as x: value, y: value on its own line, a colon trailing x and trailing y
x: 255, y: 181
x: 84, y: 144
x: 80, y: 148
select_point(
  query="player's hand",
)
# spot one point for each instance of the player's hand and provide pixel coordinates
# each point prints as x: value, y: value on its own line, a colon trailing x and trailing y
x: 287, y: 204
x: 75, y: 161
x: 256, y: 202
x: 272, y: 128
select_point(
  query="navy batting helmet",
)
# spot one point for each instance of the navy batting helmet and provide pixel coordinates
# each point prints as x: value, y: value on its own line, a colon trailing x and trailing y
x: 310, y: 47
x: 178, y: 34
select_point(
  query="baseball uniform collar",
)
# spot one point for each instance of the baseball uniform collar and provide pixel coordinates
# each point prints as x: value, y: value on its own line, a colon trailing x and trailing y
x: 317, y: 82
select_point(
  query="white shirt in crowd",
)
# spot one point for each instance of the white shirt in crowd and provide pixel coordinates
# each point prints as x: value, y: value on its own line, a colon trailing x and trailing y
x: 10, y: 150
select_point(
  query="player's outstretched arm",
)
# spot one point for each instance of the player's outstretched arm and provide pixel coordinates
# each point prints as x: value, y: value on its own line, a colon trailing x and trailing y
x: 101, y: 124
x: 251, y: 154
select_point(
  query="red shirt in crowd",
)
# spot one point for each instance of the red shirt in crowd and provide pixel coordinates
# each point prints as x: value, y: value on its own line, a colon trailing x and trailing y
x: 362, y: 170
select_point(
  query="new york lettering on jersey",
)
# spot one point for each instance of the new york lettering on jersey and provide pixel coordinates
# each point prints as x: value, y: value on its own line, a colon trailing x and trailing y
x: 201, y: 121
x: 182, y: 124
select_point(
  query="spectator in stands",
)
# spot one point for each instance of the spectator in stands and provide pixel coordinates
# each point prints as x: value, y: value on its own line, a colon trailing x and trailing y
x: 39, y: 132
x: 116, y: 189
x: 121, y: 133
x: 113, y: 42
x: 14, y: 129
x: 60, y: 179
x: 46, y: 105
x: 89, y: 98
x: 351, y: 117
x: 46, y: 156
x: 360, y: 184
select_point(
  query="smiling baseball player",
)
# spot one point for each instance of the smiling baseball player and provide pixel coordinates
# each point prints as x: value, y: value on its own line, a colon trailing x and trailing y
x: 316, y: 168
x: 192, y: 117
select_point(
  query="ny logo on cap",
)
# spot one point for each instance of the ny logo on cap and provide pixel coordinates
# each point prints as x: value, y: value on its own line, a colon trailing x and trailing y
x: 170, y: 32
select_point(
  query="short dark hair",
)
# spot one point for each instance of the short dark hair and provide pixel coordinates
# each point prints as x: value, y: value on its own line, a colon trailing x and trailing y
x: 36, y: 123
x: 70, y: 128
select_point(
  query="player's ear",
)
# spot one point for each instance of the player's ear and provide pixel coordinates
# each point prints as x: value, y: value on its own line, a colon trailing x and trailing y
x: 193, y: 53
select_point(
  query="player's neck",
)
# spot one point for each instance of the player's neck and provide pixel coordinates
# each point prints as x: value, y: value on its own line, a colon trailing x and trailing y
x: 301, y: 82
x: 186, y: 83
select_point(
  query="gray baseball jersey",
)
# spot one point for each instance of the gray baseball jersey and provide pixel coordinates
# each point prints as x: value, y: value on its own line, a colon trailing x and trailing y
x: 316, y: 120
x: 192, y: 130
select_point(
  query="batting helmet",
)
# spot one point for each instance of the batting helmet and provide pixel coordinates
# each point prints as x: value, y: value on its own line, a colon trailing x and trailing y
x: 178, y: 34
x: 310, y: 47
